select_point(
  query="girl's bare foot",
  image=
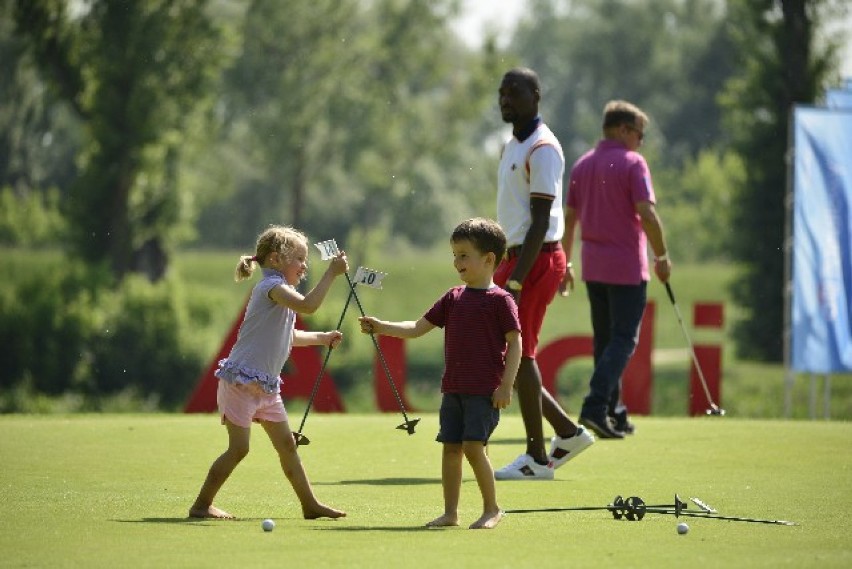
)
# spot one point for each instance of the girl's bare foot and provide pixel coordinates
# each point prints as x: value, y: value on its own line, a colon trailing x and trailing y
x: 446, y: 520
x: 322, y: 511
x: 209, y: 512
x: 488, y: 520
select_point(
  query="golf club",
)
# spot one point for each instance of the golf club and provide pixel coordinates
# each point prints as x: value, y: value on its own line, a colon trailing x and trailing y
x: 714, y: 409
x: 301, y: 439
x: 409, y: 424
x: 619, y: 508
x: 636, y: 510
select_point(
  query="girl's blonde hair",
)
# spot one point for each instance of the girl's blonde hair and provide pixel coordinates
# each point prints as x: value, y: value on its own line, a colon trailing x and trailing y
x: 276, y: 239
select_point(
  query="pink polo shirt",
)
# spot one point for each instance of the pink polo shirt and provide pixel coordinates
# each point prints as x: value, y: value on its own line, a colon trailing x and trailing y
x: 604, y: 187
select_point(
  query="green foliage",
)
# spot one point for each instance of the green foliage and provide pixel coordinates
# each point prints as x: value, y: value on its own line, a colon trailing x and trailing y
x: 370, y: 122
x: 695, y: 205
x: 48, y: 319
x: 32, y: 220
x: 667, y: 56
x: 146, y: 343
x: 352, y: 113
x: 65, y: 332
x: 38, y: 135
x: 134, y: 72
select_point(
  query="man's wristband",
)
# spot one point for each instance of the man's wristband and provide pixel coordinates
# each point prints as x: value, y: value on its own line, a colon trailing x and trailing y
x: 663, y: 257
x: 569, y: 265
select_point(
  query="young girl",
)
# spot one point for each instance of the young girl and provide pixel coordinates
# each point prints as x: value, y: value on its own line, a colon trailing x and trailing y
x: 249, y: 379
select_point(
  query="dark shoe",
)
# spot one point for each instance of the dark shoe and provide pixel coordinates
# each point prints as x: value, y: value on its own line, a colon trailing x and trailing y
x: 601, y: 428
x: 621, y: 423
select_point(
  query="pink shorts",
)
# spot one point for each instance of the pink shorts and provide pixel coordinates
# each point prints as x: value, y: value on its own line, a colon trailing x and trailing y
x: 244, y: 403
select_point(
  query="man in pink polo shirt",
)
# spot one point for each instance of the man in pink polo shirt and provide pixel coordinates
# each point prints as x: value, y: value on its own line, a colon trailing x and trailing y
x: 610, y: 194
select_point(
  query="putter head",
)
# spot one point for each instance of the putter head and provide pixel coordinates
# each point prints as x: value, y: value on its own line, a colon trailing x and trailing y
x: 301, y: 440
x: 409, y: 425
x: 715, y: 410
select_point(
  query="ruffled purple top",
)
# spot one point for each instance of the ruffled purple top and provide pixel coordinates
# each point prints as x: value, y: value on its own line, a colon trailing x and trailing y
x: 235, y: 372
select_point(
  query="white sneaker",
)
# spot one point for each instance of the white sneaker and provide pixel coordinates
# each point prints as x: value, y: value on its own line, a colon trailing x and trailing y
x: 563, y: 450
x: 525, y: 468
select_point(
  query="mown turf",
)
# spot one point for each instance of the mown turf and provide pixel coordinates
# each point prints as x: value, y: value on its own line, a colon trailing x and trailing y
x: 113, y: 490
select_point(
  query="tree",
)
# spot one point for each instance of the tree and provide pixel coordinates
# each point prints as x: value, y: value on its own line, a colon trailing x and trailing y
x: 356, y: 118
x: 38, y: 136
x: 670, y: 57
x: 697, y: 217
x: 133, y: 72
x: 782, y: 64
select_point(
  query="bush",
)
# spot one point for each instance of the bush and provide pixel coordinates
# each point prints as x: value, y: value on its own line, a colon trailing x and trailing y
x: 32, y: 220
x: 47, y: 323
x: 67, y: 331
x: 146, y: 343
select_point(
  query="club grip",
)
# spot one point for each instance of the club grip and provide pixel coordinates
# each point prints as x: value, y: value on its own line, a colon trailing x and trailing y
x: 669, y: 291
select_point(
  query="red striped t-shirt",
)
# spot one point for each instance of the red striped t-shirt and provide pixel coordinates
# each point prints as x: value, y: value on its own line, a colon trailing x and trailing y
x: 475, y: 323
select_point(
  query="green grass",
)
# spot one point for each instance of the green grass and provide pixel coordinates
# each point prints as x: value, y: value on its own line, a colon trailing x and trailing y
x: 113, y: 490
x: 416, y: 279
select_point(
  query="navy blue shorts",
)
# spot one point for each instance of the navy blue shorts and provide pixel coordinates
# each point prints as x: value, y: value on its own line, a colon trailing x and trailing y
x: 466, y: 418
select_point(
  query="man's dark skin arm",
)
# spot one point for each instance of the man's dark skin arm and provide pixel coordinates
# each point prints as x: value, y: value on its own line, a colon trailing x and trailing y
x: 534, y: 239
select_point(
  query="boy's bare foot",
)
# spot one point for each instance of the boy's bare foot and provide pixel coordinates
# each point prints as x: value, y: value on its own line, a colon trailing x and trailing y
x: 209, y: 512
x: 488, y: 520
x: 322, y: 511
x: 446, y: 520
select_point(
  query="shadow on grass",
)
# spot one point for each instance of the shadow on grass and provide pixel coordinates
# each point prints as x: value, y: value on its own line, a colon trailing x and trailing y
x: 187, y: 521
x: 383, y: 482
x: 198, y: 521
x: 380, y: 528
x: 210, y: 522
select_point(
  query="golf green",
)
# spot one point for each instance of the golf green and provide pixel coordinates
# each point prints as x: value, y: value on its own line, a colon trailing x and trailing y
x: 113, y: 490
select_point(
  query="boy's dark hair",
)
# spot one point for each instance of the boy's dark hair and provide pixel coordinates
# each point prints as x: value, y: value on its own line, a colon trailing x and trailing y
x: 485, y: 234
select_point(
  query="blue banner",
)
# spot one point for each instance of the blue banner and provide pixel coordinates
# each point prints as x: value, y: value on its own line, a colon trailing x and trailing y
x: 822, y: 239
x: 838, y: 99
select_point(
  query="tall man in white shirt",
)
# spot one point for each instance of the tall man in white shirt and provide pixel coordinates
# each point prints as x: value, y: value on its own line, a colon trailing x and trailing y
x: 529, y: 208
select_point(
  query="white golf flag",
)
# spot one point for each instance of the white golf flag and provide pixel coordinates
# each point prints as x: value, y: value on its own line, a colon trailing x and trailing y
x: 327, y: 249
x: 369, y: 277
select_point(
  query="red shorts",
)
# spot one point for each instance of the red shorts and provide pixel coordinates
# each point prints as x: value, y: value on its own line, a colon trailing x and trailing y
x: 539, y: 289
x: 244, y: 403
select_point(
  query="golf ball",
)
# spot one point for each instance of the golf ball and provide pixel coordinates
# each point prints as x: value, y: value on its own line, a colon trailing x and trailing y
x: 682, y: 528
x: 268, y: 525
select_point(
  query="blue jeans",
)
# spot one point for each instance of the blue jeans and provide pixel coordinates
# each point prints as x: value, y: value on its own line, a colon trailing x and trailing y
x: 616, y: 316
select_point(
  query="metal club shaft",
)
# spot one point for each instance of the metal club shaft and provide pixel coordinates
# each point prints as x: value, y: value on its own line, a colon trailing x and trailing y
x: 300, y: 438
x: 714, y: 409
x: 409, y: 423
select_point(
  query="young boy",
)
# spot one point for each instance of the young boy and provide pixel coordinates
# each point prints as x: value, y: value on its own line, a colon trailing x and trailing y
x: 482, y: 350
